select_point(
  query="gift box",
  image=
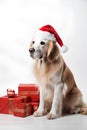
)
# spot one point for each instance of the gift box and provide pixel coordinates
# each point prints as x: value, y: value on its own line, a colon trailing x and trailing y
x: 34, y: 105
x: 30, y: 90
x: 22, y: 109
x: 7, y: 104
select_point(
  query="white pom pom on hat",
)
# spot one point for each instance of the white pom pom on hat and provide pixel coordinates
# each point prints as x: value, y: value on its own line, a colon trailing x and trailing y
x: 49, y: 33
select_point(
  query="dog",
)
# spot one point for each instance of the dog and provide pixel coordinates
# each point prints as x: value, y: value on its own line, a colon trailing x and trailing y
x: 59, y: 94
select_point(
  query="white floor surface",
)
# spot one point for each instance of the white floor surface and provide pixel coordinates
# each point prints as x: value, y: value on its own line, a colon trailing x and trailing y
x: 72, y: 122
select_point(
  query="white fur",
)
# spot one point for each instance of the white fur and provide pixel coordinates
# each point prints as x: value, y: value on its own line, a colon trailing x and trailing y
x: 45, y: 35
x: 64, y: 49
x: 64, y: 89
x: 57, y: 100
x: 41, y: 105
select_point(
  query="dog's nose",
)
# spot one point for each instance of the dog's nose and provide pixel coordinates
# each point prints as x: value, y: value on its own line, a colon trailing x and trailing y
x: 31, y: 50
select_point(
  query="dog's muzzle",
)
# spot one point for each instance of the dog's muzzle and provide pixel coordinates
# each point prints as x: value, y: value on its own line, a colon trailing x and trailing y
x: 31, y: 51
x: 35, y: 54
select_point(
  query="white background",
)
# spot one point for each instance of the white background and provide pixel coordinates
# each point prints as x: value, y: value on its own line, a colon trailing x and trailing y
x: 18, y: 21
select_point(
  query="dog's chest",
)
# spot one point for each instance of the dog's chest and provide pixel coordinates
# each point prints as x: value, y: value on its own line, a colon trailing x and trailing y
x: 48, y: 75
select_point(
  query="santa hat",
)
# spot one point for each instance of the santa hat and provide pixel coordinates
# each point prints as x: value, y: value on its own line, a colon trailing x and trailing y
x: 49, y: 33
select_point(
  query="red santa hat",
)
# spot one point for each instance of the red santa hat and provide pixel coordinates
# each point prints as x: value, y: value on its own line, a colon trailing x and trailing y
x: 49, y: 33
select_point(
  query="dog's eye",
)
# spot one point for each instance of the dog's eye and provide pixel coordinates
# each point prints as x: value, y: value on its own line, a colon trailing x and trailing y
x: 33, y: 42
x: 42, y: 43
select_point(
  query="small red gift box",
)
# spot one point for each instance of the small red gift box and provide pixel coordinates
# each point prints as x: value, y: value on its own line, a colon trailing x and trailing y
x: 7, y: 105
x: 22, y: 109
x: 30, y: 90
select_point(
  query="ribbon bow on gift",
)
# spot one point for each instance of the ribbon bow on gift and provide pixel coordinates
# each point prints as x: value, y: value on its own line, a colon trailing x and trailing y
x: 10, y: 93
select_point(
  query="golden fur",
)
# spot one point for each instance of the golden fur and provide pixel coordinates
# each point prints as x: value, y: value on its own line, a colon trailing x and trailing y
x: 53, y: 70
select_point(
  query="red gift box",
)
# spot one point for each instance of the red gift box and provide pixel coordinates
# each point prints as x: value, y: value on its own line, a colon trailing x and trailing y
x: 7, y: 105
x: 22, y: 109
x: 30, y: 90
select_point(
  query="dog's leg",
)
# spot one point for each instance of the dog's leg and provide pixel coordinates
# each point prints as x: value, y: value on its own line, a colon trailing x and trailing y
x: 56, y: 110
x: 40, y: 110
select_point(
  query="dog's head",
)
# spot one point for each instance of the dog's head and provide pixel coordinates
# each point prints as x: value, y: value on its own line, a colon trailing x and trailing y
x: 44, y: 44
x: 46, y: 49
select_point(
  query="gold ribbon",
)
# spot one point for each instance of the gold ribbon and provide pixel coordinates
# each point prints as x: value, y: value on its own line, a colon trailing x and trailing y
x: 29, y: 92
x: 11, y: 105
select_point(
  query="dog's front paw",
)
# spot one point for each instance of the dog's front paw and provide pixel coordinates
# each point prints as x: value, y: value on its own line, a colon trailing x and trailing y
x: 52, y: 116
x: 38, y: 113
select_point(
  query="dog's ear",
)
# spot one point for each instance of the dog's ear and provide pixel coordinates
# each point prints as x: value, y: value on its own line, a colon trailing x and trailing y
x: 53, y: 51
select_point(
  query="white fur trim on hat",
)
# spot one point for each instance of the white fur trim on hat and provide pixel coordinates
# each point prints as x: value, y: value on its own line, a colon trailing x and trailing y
x: 64, y: 49
x: 45, y: 35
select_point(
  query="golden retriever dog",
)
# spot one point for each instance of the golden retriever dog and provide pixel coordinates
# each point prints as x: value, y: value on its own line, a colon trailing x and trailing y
x: 59, y: 93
